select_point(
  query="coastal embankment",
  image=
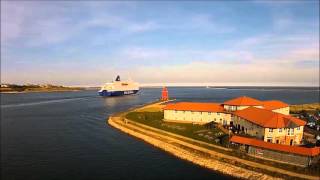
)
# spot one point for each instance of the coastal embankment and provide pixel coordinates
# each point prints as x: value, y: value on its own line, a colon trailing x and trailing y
x: 37, y: 88
x: 198, y: 152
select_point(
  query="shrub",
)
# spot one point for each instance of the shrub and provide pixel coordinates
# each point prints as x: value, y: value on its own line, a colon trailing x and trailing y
x: 224, y: 140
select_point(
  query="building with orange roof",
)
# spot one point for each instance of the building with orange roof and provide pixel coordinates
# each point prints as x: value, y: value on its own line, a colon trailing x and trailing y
x: 273, y: 131
x: 245, y: 102
x: 277, y: 106
x: 288, y: 154
x: 192, y: 112
x: 241, y: 103
x: 267, y: 120
x: 269, y: 126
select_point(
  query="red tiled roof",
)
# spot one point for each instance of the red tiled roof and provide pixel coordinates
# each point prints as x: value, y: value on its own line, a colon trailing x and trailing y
x: 243, y: 101
x: 267, y: 118
x: 193, y: 106
x: 278, y: 147
x: 274, y: 104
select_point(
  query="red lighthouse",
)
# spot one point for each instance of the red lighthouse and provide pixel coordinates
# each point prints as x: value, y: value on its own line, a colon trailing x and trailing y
x: 164, y: 94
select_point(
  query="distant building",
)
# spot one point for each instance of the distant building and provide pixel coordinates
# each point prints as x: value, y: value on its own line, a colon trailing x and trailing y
x: 266, y: 120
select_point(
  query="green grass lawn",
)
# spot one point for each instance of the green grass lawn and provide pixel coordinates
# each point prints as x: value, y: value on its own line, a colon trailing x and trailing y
x: 199, y: 132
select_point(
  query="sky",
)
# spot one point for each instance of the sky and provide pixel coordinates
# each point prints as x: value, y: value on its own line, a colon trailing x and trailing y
x: 88, y: 43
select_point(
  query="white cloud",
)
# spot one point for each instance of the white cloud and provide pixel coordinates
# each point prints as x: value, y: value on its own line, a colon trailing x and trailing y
x: 44, y: 23
x: 142, y: 27
x: 141, y: 53
x: 11, y: 25
x: 28, y: 23
x: 209, y: 72
x: 287, y: 69
x: 205, y: 22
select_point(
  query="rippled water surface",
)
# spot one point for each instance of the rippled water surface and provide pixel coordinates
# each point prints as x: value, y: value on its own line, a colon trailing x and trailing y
x: 64, y: 135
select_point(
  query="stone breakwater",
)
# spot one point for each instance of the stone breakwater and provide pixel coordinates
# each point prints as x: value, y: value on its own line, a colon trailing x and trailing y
x: 176, y: 148
x: 195, y: 152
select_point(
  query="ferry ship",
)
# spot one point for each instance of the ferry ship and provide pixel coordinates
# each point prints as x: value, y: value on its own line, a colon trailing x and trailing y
x: 119, y: 88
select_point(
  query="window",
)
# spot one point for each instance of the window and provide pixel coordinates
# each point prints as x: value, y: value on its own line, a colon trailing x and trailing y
x: 209, y: 113
x: 280, y: 130
x: 298, y: 128
x: 270, y: 130
x: 290, y: 131
x: 218, y: 114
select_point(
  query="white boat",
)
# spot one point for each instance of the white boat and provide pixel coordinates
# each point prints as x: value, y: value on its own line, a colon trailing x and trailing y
x: 119, y: 88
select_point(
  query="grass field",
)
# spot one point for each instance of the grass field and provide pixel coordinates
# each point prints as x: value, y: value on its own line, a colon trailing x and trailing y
x: 200, y: 132
x: 305, y: 107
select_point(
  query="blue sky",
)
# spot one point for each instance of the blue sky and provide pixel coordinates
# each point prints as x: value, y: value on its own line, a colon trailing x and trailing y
x: 188, y: 42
